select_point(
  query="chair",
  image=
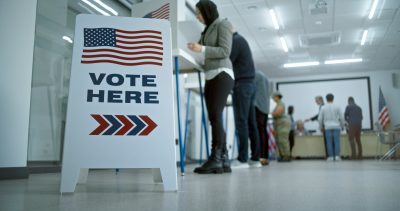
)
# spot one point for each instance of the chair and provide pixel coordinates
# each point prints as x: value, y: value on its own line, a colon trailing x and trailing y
x: 391, y: 138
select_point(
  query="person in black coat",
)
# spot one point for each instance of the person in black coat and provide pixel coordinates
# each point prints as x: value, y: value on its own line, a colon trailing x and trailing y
x: 244, y: 92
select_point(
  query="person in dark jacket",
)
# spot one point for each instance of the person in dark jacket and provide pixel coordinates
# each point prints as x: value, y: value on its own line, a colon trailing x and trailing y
x: 244, y: 92
x: 353, y: 116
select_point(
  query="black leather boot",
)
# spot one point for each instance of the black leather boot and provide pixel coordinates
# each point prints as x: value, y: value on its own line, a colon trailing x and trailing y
x: 226, y: 163
x: 213, y: 164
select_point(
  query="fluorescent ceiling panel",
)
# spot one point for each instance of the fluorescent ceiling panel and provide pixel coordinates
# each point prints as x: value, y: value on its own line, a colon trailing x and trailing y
x: 106, y: 7
x: 342, y: 61
x: 96, y: 7
x: 274, y: 19
x: 373, y: 8
x: 364, y: 37
x: 301, y: 64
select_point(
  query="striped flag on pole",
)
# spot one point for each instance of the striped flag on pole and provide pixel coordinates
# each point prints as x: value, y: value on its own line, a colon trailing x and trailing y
x: 383, y: 118
x: 160, y: 13
x: 271, y: 139
x: 122, y: 47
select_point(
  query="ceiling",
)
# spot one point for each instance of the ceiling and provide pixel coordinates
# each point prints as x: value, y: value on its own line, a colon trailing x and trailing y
x: 347, y: 19
x: 335, y: 34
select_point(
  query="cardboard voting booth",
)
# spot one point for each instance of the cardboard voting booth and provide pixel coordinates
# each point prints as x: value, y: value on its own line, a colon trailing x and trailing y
x: 172, y: 10
x: 120, y: 107
x: 182, y: 31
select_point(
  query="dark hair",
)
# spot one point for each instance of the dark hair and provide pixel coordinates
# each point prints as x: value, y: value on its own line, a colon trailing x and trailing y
x: 208, y: 10
x: 329, y: 97
x: 351, y: 100
x: 290, y: 109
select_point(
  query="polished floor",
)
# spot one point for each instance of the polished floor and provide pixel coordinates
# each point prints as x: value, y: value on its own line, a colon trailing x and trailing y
x: 299, y: 185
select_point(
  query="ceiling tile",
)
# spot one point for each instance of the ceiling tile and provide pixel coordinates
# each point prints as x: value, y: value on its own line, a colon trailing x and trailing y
x: 390, y: 4
x: 347, y: 22
x: 251, y: 18
x: 356, y: 8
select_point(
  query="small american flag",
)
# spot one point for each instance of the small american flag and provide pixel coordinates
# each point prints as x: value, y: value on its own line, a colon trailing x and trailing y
x: 384, y: 118
x: 122, y: 47
x: 160, y: 13
x: 271, y: 139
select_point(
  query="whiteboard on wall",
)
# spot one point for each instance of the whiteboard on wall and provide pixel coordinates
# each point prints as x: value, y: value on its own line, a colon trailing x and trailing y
x: 301, y: 94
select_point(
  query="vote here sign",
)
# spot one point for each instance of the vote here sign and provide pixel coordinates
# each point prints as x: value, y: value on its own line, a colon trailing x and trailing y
x: 120, y: 106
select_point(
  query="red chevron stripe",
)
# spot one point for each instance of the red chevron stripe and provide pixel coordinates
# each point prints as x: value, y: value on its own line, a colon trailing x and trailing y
x: 127, y: 125
x: 150, y: 125
x: 103, y: 124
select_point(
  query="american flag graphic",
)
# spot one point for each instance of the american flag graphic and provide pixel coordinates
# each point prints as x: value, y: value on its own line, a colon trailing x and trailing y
x: 122, y: 47
x: 271, y: 139
x: 160, y: 13
x: 384, y: 118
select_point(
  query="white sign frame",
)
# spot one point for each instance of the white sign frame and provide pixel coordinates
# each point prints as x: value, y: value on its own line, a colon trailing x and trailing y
x: 152, y: 149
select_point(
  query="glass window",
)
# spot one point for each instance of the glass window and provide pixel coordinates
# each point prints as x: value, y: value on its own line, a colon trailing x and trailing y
x: 55, y: 23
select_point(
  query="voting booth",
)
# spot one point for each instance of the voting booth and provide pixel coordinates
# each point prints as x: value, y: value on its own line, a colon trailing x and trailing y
x: 120, y: 107
x: 184, y: 60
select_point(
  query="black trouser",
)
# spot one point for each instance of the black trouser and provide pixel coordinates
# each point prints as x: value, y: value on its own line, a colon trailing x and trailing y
x: 262, y: 131
x: 354, y: 134
x: 216, y: 93
x: 291, y: 140
x: 245, y: 120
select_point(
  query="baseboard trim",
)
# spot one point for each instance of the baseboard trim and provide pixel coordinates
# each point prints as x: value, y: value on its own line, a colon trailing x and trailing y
x: 14, y: 173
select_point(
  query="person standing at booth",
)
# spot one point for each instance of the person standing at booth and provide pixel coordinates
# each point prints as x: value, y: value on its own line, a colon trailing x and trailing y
x: 244, y: 92
x: 353, y: 116
x: 319, y: 100
x: 262, y: 109
x: 281, y: 126
x: 331, y: 120
x: 215, y: 43
x: 292, y: 128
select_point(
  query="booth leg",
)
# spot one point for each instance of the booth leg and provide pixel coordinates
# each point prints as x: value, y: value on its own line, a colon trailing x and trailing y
x: 203, y: 115
x: 186, y: 122
x: 178, y: 101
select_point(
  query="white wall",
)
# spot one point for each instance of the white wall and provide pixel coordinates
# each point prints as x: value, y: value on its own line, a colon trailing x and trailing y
x: 377, y: 78
x: 304, y: 106
x: 17, y: 21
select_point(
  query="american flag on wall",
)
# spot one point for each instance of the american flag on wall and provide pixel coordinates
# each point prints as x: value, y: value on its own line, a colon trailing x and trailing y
x: 383, y: 118
x: 122, y: 47
x: 160, y: 13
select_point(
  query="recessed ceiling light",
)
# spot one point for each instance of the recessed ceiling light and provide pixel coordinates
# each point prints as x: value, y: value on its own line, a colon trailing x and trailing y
x: 364, y: 37
x: 96, y: 8
x: 341, y: 61
x: 274, y: 19
x: 318, y: 22
x: 284, y: 45
x: 301, y: 64
x: 68, y: 39
x: 106, y: 7
x: 373, y: 8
